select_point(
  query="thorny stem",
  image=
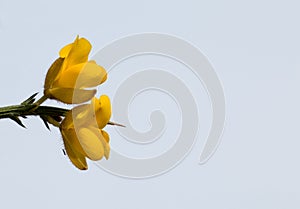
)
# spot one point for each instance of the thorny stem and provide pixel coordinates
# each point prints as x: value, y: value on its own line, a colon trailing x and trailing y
x: 24, y: 110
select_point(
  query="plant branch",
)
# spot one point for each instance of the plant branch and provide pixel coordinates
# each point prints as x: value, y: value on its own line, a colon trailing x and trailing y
x: 49, y: 114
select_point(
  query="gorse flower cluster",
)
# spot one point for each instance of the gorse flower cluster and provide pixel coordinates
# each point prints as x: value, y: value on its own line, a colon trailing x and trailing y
x: 72, y: 79
x: 66, y: 81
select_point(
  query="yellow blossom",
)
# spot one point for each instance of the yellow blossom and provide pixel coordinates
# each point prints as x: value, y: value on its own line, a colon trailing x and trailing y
x: 70, y: 75
x: 82, y: 132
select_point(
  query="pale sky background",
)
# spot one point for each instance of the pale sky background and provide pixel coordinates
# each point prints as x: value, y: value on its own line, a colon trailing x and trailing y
x: 254, y: 48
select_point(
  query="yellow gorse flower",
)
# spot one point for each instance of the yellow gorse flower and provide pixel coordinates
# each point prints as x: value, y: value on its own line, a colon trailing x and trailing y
x: 71, y: 79
x: 82, y: 132
x: 70, y: 75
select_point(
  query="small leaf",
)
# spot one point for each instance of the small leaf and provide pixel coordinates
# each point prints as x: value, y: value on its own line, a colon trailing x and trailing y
x: 30, y: 100
x: 17, y: 120
x: 71, y: 95
x: 53, y: 72
x: 45, y: 121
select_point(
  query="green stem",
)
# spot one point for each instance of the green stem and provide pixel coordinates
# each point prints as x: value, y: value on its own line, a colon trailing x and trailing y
x: 24, y: 110
x: 52, y: 115
x: 15, y: 110
x: 49, y: 114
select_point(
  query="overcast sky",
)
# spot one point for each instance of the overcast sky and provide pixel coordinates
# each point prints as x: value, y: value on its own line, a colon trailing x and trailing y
x: 254, y: 48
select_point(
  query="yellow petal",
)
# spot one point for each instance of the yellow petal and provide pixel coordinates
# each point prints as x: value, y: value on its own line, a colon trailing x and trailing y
x: 80, y: 116
x: 71, y: 136
x: 65, y: 50
x: 67, y: 122
x: 71, y: 96
x: 84, y: 75
x: 104, y: 77
x: 75, y: 117
x: 78, y: 52
x: 71, y: 146
x: 102, y: 109
x: 53, y: 72
x: 89, y: 139
x: 105, y: 143
x: 105, y: 135
x: 77, y: 160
